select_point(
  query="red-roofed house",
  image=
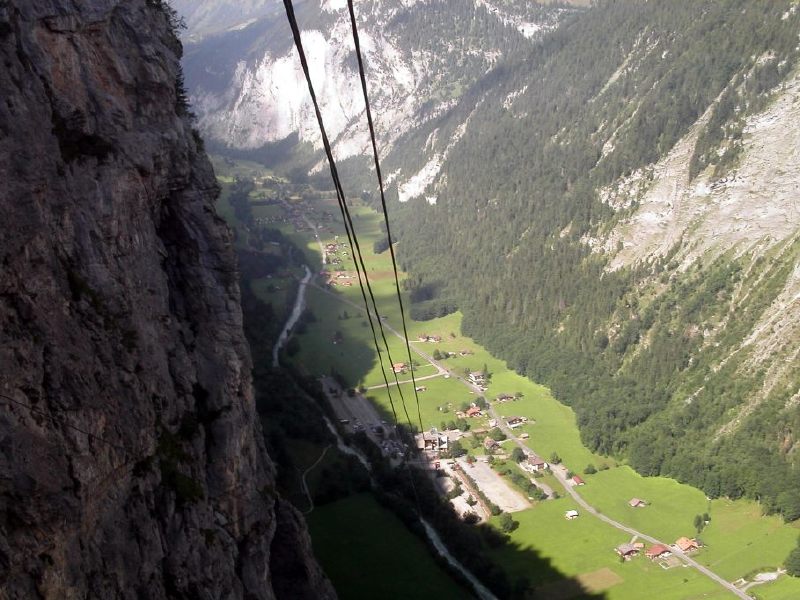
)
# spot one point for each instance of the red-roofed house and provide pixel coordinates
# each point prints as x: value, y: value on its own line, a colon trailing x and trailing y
x: 686, y: 544
x: 473, y: 411
x: 657, y: 551
x: 577, y: 480
x: 626, y: 551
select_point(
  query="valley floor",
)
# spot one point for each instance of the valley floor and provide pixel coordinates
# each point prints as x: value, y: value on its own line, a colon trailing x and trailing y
x: 738, y: 541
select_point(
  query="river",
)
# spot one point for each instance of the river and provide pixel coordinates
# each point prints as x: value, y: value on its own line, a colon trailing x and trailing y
x: 297, y: 310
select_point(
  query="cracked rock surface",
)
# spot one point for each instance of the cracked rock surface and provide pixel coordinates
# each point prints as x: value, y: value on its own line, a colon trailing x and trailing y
x: 131, y: 458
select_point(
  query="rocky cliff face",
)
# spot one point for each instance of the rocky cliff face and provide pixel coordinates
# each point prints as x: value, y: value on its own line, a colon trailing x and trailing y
x: 131, y: 458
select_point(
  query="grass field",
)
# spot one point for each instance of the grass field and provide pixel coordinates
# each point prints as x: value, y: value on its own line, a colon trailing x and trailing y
x: 350, y: 539
x: 586, y: 545
x: 739, y: 540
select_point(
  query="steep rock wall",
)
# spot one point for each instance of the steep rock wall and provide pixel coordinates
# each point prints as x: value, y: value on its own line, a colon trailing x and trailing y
x: 131, y: 458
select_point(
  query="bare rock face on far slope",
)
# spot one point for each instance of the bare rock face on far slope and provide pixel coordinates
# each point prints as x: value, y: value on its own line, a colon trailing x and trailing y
x: 755, y: 207
x: 131, y: 458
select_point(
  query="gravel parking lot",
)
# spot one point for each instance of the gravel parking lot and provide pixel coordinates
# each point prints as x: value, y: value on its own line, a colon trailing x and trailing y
x: 497, y: 489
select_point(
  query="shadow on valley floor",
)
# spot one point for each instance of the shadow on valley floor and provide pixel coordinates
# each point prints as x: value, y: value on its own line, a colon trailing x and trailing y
x: 363, y: 534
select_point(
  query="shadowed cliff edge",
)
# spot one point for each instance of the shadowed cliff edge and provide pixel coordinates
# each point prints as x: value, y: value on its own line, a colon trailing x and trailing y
x: 131, y: 458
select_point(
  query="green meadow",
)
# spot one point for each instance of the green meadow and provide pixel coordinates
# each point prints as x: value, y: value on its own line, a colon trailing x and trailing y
x: 354, y: 531
x: 586, y: 545
x: 739, y: 540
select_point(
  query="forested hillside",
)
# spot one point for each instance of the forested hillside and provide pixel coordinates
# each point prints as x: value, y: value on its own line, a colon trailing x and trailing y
x: 669, y: 358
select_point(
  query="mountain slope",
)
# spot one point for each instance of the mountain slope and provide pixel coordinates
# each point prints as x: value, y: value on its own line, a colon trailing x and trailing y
x: 131, y: 462
x: 249, y: 91
x: 649, y: 224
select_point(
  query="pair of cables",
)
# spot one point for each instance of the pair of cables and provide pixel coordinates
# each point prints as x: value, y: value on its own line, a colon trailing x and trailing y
x: 352, y: 236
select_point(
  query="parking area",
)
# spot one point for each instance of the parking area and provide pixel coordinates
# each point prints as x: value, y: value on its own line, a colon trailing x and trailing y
x: 497, y: 489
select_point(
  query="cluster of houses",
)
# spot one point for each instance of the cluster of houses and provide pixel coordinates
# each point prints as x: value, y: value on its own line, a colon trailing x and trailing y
x: 430, y: 338
x: 338, y: 278
x: 330, y: 254
x: 657, y: 551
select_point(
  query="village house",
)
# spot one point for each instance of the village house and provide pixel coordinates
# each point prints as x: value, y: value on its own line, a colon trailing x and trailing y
x: 477, y: 377
x: 420, y: 388
x: 399, y: 367
x: 474, y: 411
x: 627, y: 551
x: 514, y: 422
x: 687, y: 544
x: 490, y: 444
x: 533, y: 464
x: 436, y: 442
x: 657, y: 551
x: 504, y: 397
x: 577, y: 480
x: 523, y: 436
x: 636, y: 503
x: 570, y: 515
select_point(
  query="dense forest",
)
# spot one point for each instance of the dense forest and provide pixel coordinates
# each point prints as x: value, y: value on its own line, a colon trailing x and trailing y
x: 505, y: 242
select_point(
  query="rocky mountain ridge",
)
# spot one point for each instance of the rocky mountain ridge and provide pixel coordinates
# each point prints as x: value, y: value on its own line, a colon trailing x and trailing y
x: 420, y: 57
x: 131, y: 458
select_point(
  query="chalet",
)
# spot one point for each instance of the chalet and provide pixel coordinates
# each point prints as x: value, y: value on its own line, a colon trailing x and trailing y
x: 627, y: 551
x: 473, y: 411
x: 636, y: 503
x: 657, y: 551
x: 490, y: 444
x: 466, y: 353
x: 686, y: 544
x: 420, y: 388
x: 577, y: 480
x: 504, y: 397
x: 514, y: 422
x: 537, y: 464
x: 399, y: 367
x: 477, y: 377
x: 436, y: 442
x: 570, y: 515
